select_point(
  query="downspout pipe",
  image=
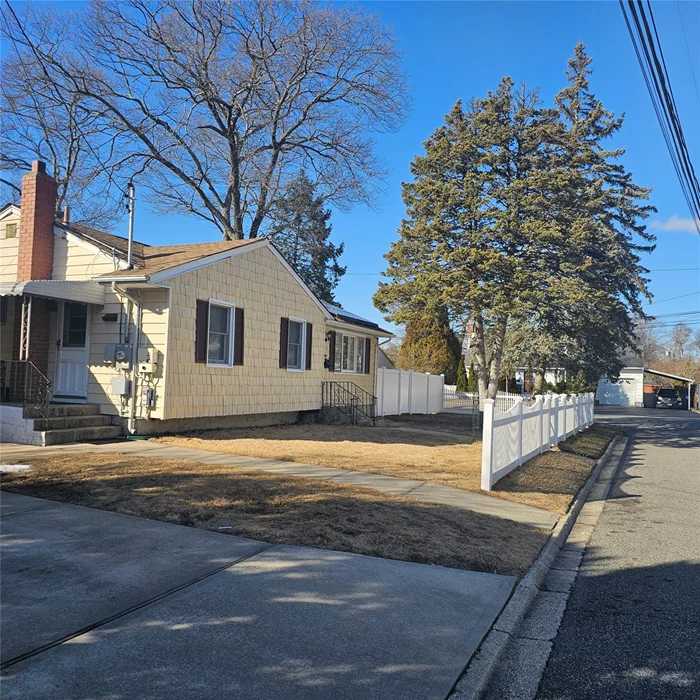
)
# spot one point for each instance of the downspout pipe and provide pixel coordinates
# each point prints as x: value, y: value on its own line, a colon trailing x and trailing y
x: 136, y: 305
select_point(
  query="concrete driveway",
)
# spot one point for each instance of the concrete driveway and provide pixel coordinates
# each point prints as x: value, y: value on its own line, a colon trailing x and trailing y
x: 103, y: 605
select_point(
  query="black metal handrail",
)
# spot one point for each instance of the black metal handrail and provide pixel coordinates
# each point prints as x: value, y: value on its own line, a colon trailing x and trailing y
x: 349, y: 399
x: 23, y: 382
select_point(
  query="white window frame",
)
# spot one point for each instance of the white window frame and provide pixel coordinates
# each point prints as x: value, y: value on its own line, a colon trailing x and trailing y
x: 303, y: 344
x: 339, y: 335
x: 231, y: 322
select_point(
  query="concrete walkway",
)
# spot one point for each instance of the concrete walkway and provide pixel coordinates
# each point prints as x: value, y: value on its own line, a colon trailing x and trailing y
x: 103, y: 605
x: 420, y: 490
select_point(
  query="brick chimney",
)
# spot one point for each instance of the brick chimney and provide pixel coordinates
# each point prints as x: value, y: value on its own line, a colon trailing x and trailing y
x: 36, y: 239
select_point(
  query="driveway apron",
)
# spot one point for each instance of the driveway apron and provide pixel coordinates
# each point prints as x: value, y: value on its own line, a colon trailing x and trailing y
x: 98, y: 604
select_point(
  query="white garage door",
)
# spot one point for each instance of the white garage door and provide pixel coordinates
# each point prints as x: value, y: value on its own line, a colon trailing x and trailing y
x: 620, y: 393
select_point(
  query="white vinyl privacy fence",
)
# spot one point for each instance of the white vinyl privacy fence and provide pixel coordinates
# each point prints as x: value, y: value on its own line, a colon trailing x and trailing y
x: 405, y: 391
x: 512, y: 437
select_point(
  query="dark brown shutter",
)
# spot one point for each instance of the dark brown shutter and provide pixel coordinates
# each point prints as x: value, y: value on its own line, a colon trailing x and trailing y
x: 309, y: 343
x: 331, y: 351
x: 368, y: 348
x: 238, y: 333
x: 201, y: 331
x: 284, y: 338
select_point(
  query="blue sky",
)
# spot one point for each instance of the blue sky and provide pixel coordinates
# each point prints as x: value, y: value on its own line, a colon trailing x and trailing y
x: 461, y: 49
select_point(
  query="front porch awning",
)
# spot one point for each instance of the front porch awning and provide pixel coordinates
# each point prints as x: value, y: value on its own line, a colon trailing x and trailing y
x: 81, y: 291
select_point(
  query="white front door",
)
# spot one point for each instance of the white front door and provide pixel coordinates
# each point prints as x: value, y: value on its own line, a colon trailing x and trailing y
x: 73, y: 351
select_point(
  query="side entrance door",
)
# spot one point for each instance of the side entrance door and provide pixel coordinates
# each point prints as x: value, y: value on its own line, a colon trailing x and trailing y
x: 73, y: 351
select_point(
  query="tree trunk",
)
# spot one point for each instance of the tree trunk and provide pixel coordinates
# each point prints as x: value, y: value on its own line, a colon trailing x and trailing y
x: 479, y: 356
x: 499, y: 334
x: 539, y: 381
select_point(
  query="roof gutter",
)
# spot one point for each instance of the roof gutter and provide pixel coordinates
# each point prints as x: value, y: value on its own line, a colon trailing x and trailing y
x: 125, y: 279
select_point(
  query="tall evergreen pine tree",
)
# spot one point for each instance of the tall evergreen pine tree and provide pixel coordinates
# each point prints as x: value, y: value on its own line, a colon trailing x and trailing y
x: 301, y: 232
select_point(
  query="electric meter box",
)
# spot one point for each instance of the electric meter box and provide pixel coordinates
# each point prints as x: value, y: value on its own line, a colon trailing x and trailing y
x: 118, y: 354
x: 121, y: 386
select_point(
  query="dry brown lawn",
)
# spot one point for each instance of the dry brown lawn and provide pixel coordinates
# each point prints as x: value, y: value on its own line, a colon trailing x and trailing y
x: 548, y: 481
x: 280, y: 509
x: 441, y: 459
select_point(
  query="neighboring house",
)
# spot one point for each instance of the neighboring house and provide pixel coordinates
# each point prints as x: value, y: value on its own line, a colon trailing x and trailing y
x: 526, y: 378
x: 383, y: 360
x: 629, y: 389
x: 193, y: 336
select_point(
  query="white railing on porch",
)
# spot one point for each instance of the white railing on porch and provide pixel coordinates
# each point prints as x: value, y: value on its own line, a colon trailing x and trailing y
x: 512, y: 437
x: 405, y: 391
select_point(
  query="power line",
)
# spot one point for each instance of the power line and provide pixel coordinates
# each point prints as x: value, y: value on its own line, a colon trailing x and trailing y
x: 675, y: 269
x: 682, y: 296
x: 687, y: 48
x: 647, y: 47
x: 681, y: 315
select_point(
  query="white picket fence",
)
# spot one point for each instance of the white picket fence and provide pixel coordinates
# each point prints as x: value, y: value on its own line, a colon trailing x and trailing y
x: 405, y: 391
x: 512, y: 437
x: 466, y: 401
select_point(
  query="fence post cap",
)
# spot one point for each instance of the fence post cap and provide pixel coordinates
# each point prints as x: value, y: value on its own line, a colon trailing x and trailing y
x: 489, y: 401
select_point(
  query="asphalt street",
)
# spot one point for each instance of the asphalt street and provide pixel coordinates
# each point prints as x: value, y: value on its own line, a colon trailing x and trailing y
x: 632, y: 624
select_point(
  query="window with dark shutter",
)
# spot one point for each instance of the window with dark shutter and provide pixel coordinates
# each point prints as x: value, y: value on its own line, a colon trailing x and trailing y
x: 238, y: 335
x: 368, y: 347
x: 201, y: 331
x: 284, y: 337
x: 309, y: 344
x: 330, y: 362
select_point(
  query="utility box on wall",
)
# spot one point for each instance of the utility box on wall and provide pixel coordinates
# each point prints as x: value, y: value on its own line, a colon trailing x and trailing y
x: 121, y: 386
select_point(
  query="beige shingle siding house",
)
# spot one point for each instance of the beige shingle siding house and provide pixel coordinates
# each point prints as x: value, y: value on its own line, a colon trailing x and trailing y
x: 193, y: 336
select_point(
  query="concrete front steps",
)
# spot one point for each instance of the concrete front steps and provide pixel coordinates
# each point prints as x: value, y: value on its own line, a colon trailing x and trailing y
x: 74, y: 423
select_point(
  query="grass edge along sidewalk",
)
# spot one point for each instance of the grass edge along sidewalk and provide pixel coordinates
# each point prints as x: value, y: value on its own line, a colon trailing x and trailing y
x: 548, y: 481
x: 282, y: 509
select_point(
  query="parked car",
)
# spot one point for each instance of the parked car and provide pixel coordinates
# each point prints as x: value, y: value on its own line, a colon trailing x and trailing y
x: 669, y: 398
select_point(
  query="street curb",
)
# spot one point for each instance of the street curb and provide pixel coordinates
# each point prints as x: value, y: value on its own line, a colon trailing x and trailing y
x: 482, y: 665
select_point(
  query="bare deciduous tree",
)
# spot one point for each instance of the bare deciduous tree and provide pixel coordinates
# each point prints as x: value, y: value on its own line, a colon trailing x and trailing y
x: 679, y: 338
x: 39, y: 122
x: 221, y: 102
